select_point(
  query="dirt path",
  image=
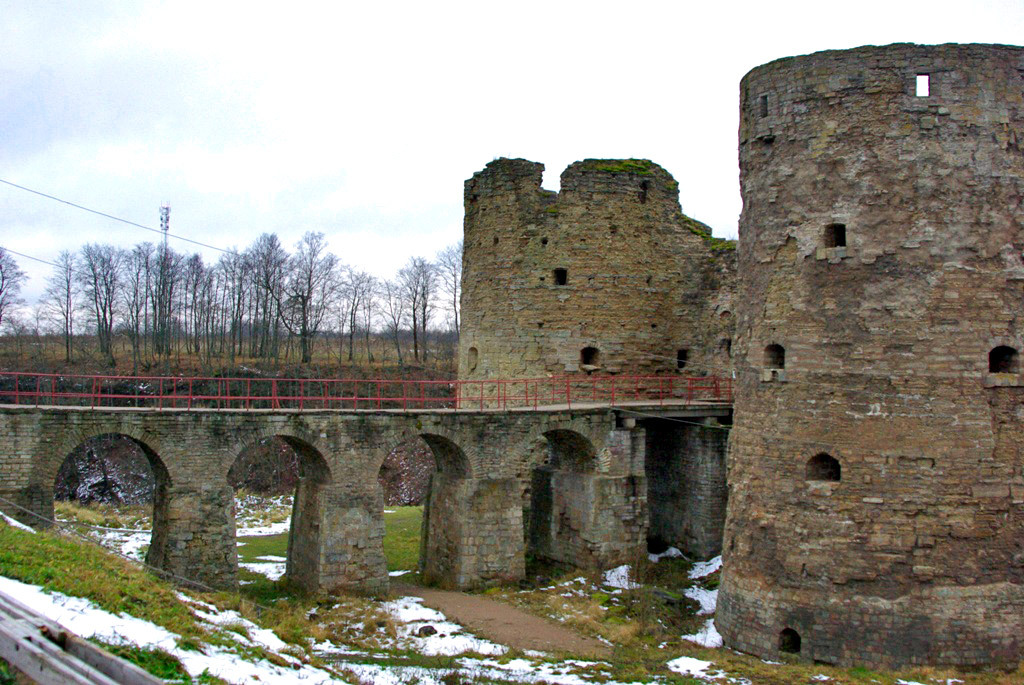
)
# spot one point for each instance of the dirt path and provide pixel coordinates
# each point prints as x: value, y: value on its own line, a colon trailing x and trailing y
x: 504, y: 624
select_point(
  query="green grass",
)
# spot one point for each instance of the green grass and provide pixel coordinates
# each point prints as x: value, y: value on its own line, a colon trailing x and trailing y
x: 155, y: 661
x: 641, y: 167
x: 6, y: 674
x: 402, y: 537
x: 81, y: 570
x: 262, y: 545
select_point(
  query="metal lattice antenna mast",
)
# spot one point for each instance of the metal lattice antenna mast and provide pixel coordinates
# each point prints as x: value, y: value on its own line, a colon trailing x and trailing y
x: 165, y: 221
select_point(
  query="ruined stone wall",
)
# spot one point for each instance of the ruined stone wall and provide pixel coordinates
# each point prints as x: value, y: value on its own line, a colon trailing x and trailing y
x: 880, y: 250
x: 609, y: 263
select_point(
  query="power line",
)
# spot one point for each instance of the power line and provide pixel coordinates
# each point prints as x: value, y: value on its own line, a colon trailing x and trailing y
x: 110, y: 216
x: 35, y: 259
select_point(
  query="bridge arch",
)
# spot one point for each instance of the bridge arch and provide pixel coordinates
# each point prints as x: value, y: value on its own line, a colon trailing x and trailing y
x: 312, y: 474
x: 148, y: 445
x: 439, y: 533
x: 561, y: 467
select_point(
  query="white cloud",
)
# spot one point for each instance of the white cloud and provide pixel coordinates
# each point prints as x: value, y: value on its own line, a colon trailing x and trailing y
x: 363, y: 119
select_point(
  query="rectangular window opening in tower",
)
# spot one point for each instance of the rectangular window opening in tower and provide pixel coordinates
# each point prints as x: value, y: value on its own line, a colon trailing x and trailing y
x: 763, y: 106
x: 923, y: 89
x: 835, y: 235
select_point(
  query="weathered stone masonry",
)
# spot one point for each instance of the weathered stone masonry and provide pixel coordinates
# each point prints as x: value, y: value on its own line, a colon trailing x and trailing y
x: 591, y: 463
x: 606, y: 276
x: 876, y: 507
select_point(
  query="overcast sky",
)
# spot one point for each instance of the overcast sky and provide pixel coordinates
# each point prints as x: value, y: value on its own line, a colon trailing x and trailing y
x: 363, y: 119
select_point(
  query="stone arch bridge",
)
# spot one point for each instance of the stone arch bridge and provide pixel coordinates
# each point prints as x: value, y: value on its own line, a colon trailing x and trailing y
x: 574, y: 485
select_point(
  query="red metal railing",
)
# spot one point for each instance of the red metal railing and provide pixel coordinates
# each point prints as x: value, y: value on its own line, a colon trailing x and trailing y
x: 171, y: 392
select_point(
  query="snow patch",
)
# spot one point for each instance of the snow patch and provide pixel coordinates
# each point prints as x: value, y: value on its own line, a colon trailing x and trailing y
x: 449, y: 639
x: 687, y: 665
x: 16, y: 523
x: 260, y: 530
x: 708, y: 599
x: 707, y: 636
x: 270, y: 570
x: 670, y: 553
x: 618, y: 577
x: 703, y: 569
x: 395, y: 574
x: 84, y: 618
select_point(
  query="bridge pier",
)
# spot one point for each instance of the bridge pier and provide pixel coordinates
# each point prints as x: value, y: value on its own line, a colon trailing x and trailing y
x: 472, y: 531
x: 194, y: 535
x: 588, y: 507
x: 336, y: 542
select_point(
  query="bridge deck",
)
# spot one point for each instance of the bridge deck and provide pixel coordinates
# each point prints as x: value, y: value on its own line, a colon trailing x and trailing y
x: 666, y: 408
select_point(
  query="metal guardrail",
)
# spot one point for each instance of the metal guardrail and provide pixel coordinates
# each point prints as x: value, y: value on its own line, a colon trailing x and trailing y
x: 170, y: 392
x: 47, y: 654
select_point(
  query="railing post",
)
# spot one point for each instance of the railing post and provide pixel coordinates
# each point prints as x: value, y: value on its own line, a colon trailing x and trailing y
x: 38, y: 380
x: 661, y: 391
x: 613, y: 391
x: 94, y: 391
x: 190, y: 394
x: 378, y: 394
x: 568, y: 392
x: 273, y: 394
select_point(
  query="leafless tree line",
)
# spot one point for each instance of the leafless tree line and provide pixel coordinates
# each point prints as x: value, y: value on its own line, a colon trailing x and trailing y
x: 263, y: 303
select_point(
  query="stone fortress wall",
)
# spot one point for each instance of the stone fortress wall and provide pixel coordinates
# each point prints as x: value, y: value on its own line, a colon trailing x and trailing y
x: 607, y: 276
x: 876, y: 468
x: 876, y: 506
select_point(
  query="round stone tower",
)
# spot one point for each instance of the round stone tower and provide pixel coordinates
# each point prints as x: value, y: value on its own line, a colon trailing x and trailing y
x: 876, y: 506
x: 607, y: 276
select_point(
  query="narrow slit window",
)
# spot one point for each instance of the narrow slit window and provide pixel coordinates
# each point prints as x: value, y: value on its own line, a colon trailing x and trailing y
x: 561, y: 276
x: 682, y: 356
x: 835, y: 235
x: 763, y: 106
x: 924, y: 85
x: 473, y: 358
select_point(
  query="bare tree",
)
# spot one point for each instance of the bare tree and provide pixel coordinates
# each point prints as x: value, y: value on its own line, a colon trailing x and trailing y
x: 100, y: 281
x: 449, y: 269
x: 164, y: 289
x: 358, y: 286
x: 267, y: 269
x: 417, y: 279
x: 11, y: 280
x: 137, y: 267
x: 312, y: 277
x: 394, y: 313
x: 235, y: 274
x: 60, y: 299
x: 369, y: 311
